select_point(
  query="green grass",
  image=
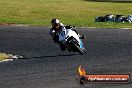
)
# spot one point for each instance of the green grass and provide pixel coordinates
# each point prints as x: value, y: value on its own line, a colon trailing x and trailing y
x: 3, y: 56
x: 73, y: 12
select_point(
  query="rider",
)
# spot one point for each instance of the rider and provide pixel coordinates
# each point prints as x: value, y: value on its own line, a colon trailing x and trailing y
x: 57, y: 27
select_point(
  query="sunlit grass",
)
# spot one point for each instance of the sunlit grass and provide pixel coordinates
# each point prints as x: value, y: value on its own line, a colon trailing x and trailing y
x: 73, y: 12
x: 3, y: 56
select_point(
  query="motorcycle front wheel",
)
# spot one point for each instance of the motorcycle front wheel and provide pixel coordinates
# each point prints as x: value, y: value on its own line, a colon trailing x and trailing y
x: 81, y: 51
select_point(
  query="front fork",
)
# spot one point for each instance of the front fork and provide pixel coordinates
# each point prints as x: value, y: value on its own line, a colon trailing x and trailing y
x: 81, y: 44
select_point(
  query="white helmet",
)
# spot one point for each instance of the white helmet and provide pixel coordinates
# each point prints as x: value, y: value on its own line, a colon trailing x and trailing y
x: 55, y: 21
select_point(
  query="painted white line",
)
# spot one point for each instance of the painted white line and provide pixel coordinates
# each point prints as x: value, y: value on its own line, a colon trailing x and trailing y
x: 6, y: 60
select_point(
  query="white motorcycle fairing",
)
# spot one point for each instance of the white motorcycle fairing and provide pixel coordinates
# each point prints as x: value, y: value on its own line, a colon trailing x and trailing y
x: 71, y: 40
x: 66, y: 33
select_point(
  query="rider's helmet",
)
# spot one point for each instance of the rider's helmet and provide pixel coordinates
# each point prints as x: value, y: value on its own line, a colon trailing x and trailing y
x: 55, y: 23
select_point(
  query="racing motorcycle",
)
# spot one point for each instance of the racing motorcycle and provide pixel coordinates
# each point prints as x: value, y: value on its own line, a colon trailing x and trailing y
x: 71, y: 40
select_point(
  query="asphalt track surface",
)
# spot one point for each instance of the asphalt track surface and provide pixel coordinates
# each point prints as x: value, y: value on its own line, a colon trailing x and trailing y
x: 109, y: 51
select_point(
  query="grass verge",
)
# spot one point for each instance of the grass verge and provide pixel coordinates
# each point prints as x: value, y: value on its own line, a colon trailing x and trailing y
x: 3, y: 56
x: 73, y: 12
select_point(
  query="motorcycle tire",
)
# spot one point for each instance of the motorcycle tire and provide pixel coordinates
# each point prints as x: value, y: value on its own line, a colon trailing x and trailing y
x: 81, y: 51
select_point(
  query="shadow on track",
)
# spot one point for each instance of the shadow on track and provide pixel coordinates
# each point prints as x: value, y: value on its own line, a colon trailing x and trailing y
x: 68, y: 55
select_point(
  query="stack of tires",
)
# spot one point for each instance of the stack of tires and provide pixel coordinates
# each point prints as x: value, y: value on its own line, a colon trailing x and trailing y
x: 111, y: 18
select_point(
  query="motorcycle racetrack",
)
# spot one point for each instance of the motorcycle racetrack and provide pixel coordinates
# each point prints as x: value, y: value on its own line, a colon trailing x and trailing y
x: 44, y: 65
